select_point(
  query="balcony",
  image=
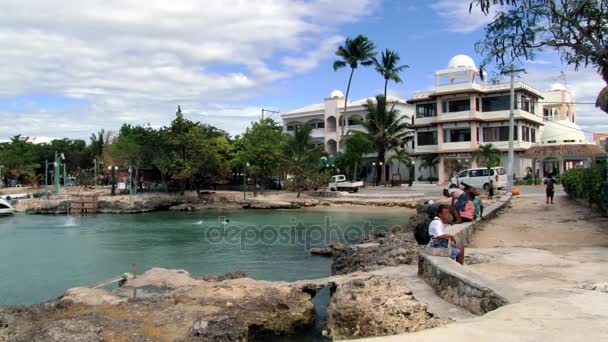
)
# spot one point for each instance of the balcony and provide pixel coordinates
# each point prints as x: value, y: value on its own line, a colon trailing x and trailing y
x: 426, y: 149
x: 317, y: 133
x: 457, y: 87
x: 463, y: 145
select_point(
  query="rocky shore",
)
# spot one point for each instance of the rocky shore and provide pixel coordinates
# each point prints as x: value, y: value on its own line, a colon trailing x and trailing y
x: 147, y: 202
x: 171, y: 305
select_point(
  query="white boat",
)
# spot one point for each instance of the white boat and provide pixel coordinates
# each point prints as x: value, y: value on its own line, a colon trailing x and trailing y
x: 6, y: 208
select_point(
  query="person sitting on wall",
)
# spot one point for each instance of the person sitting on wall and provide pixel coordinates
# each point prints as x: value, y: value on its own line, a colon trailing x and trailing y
x: 439, y: 236
x: 459, y: 201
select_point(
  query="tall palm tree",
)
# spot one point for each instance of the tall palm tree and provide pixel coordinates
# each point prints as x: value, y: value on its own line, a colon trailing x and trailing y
x: 357, y: 146
x: 386, y: 128
x: 98, y: 141
x: 387, y: 67
x: 359, y: 50
x: 401, y: 157
x: 429, y: 161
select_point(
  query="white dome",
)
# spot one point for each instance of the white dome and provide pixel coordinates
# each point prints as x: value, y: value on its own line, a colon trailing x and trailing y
x: 562, y: 132
x: 558, y: 86
x: 336, y: 93
x: 461, y: 61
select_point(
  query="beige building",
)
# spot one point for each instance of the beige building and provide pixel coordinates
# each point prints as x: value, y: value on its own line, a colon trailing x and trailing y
x: 461, y: 113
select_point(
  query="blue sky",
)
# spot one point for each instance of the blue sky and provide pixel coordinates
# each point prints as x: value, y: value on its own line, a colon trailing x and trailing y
x: 73, y: 69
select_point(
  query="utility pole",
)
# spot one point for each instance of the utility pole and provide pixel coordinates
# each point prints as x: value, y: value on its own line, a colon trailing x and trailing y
x: 512, y: 72
x: 268, y: 111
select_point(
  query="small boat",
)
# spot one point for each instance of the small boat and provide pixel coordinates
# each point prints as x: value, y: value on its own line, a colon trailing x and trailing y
x: 6, y: 208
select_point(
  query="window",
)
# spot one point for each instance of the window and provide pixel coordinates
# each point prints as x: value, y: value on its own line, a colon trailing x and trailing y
x: 479, y: 173
x: 317, y: 124
x: 533, y: 134
x: 426, y: 110
x: 456, y: 135
x: 462, y: 174
x: 293, y: 127
x: 427, y: 138
x: 546, y: 112
x: 492, y: 134
x: 494, y: 103
x: 527, y: 104
x: 355, y: 121
x: 456, y: 106
x: 551, y: 141
x: 525, y: 133
x: 569, y: 141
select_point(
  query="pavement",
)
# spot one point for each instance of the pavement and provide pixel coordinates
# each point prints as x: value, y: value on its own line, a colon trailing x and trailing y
x: 434, y: 190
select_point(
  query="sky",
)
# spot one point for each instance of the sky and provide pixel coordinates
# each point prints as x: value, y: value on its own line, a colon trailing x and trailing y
x: 71, y: 68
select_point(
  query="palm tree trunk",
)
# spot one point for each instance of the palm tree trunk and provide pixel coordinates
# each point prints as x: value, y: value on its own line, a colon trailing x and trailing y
x: 381, y: 155
x: 385, y: 87
x: 355, y: 172
x: 343, y: 116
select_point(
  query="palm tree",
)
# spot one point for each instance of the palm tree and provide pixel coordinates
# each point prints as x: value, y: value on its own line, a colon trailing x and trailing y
x: 401, y: 157
x: 301, y: 155
x: 429, y: 161
x: 488, y: 156
x: 354, y: 52
x: 386, y: 128
x: 98, y: 141
x: 387, y: 67
x: 357, y: 146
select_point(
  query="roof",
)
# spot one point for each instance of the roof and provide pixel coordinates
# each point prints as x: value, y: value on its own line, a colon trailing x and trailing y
x: 352, y: 105
x: 567, y: 150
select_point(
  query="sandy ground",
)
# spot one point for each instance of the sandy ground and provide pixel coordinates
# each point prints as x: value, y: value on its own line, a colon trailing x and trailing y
x: 550, y: 256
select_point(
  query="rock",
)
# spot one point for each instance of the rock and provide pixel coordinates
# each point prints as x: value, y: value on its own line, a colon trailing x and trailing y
x: 322, y: 251
x: 225, y: 276
x: 382, y: 307
x: 89, y: 296
x: 601, y: 287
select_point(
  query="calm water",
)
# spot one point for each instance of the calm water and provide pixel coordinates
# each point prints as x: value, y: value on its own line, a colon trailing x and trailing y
x: 41, y: 256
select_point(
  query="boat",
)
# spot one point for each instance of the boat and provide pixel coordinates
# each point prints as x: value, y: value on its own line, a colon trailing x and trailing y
x: 6, y: 208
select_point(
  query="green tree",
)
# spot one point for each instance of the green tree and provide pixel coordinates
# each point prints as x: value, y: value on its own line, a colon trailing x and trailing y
x: 388, y: 67
x: 262, y: 146
x: 401, y: 157
x: 20, y: 159
x: 357, y: 147
x: 429, y: 161
x: 302, y: 160
x: 577, y: 29
x: 487, y: 155
x: 359, y: 50
x: 98, y: 142
x: 386, y: 129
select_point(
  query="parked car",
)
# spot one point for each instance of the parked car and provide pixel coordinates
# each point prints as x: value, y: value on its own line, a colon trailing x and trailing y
x: 339, y: 183
x: 480, y: 177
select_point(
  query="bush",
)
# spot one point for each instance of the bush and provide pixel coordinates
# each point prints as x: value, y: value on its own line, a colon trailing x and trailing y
x: 586, y: 184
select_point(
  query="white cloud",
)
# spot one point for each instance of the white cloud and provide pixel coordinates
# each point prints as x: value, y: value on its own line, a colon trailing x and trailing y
x: 135, y: 60
x: 455, y: 14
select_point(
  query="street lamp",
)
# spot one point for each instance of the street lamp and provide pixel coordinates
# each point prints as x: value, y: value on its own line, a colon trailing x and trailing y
x: 412, y: 172
x: 57, y: 171
x: 95, y: 169
x: 113, y: 169
x: 1, y: 179
x: 130, y: 186
x: 244, y: 180
x: 381, y: 173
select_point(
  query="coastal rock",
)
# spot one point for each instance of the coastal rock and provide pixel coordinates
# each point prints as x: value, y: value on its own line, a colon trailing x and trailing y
x: 225, y: 276
x: 376, y: 307
x: 269, y: 204
x: 322, y: 251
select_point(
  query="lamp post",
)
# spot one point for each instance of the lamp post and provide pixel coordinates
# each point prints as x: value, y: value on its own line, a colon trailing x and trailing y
x: 381, y: 175
x: 374, y: 173
x: 65, y: 165
x: 412, y: 172
x: 244, y: 180
x: 113, y: 169
x: 130, y: 186
x: 95, y: 169
x: 1, y: 179
x: 57, y: 171
x: 46, y: 179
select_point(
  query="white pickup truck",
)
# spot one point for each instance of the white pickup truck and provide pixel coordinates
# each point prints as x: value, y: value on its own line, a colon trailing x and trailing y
x: 339, y: 183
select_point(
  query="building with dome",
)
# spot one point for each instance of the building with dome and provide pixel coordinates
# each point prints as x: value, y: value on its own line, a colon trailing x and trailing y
x: 563, y: 144
x: 462, y: 113
x: 324, y: 117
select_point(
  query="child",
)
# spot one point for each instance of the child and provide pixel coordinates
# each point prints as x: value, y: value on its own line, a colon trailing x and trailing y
x: 491, y: 189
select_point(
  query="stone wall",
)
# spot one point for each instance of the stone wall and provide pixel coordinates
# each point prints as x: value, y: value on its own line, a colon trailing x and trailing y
x: 460, y: 286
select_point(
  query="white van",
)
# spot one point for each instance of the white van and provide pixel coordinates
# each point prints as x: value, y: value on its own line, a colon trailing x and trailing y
x: 480, y: 177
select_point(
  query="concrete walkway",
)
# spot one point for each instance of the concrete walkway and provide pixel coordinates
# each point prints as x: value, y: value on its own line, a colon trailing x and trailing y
x: 553, y: 256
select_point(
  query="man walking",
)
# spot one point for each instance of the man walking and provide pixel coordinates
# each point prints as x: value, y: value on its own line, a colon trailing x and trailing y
x: 440, y: 237
x: 549, y: 188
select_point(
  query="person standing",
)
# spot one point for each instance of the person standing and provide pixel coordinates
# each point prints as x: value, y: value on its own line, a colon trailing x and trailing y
x: 549, y: 188
x: 439, y: 236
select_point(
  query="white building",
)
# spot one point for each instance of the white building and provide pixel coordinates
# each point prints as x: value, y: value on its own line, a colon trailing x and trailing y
x: 325, y: 119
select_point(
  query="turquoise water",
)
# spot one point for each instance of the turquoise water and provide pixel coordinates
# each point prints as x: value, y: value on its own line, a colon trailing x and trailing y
x: 41, y: 256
